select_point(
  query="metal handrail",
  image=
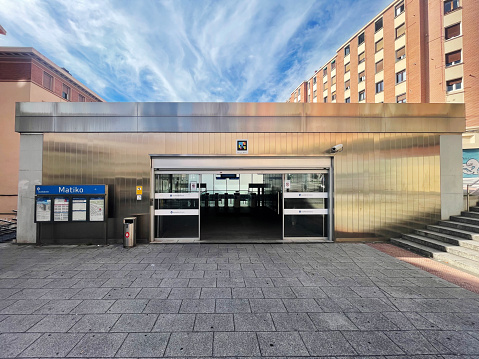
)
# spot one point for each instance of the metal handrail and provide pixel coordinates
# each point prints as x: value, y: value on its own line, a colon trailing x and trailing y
x: 468, y: 192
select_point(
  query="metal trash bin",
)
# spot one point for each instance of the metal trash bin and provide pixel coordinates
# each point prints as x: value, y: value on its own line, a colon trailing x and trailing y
x: 129, y: 232
x: 237, y: 200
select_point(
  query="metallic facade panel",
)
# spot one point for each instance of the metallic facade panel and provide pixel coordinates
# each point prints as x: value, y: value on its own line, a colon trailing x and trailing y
x: 35, y: 124
x: 243, y: 117
x: 74, y: 124
x: 384, y: 184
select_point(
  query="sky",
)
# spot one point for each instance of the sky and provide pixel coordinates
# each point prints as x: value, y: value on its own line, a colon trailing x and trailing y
x: 187, y: 50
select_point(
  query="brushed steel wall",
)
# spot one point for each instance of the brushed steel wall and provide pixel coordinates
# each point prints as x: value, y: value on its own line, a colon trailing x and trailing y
x: 384, y: 183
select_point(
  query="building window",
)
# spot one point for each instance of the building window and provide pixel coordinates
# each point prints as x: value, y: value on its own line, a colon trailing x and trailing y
x: 47, y: 81
x: 399, y: 9
x: 401, y: 98
x: 325, y: 85
x: 401, y: 76
x: 401, y: 53
x: 379, y: 45
x: 333, y: 80
x: 378, y: 25
x: 453, y: 58
x: 379, y: 66
x: 380, y: 86
x: 362, y: 95
x: 450, y: 5
x: 453, y: 85
x: 346, y: 67
x: 325, y: 71
x: 325, y: 99
x: 314, y: 93
x: 400, y: 30
x: 333, y: 65
x: 346, y: 51
x: 347, y: 85
x: 66, y: 92
x: 453, y: 31
x: 299, y: 92
x: 333, y: 96
x: 348, y: 100
x: 361, y: 57
x: 81, y: 98
x: 314, y: 80
x: 362, y: 76
x: 360, y: 39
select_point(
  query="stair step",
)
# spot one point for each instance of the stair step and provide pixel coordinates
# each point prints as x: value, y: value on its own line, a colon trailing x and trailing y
x: 467, y: 220
x: 462, y: 242
x: 474, y: 209
x: 464, y: 253
x: 415, y: 247
x: 462, y: 226
x: 444, y: 257
x: 470, y: 214
x: 454, y: 232
x: 428, y: 242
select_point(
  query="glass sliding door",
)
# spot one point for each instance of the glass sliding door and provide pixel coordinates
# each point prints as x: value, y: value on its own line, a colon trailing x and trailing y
x: 177, y: 201
x: 306, y: 205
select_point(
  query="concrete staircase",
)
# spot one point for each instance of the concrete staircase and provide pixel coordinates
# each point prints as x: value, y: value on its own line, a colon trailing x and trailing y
x: 454, y: 242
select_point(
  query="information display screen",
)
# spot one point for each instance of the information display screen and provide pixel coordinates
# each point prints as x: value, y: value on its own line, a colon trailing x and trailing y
x: 43, y: 209
x: 97, y: 209
x: 60, y: 209
x: 79, y: 209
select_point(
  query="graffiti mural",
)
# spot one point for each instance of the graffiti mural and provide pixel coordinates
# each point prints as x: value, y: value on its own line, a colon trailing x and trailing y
x: 470, y: 163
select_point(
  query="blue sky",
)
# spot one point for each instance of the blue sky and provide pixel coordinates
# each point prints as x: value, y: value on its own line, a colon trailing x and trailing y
x: 187, y: 50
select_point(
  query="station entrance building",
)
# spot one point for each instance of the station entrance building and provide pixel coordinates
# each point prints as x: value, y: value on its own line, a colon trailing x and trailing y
x: 240, y: 171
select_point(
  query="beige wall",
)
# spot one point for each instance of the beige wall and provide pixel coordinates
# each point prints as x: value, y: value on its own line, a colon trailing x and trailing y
x: 12, y: 92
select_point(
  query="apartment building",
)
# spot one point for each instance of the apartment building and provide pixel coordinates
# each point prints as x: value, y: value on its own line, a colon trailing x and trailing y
x: 28, y: 76
x: 414, y: 51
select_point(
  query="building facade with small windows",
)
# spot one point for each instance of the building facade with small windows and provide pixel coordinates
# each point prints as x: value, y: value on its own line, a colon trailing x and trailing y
x: 413, y: 51
x: 28, y: 76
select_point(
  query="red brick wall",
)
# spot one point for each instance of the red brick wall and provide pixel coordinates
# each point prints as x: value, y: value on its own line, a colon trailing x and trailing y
x: 436, y: 86
x: 370, y: 68
x: 15, y: 71
x: 389, y: 63
x: 340, y: 76
x: 470, y: 28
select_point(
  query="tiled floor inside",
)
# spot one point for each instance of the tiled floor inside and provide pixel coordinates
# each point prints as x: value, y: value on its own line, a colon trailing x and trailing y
x: 229, y: 300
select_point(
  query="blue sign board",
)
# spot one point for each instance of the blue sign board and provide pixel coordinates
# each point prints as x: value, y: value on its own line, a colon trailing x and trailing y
x: 70, y: 190
x: 470, y: 163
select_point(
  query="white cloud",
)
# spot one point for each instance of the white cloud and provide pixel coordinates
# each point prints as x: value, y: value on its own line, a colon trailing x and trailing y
x: 255, y: 50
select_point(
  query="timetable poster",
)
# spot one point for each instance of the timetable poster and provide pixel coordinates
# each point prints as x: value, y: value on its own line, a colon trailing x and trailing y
x: 60, y: 210
x: 97, y: 209
x: 79, y: 209
x: 44, y: 209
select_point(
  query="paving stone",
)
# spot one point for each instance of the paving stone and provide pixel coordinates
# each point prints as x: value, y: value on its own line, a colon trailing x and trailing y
x: 55, y: 345
x: 91, y: 293
x: 190, y: 344
x: 12, y: 344
x: 135, y: 323
x: 301, y: 305
x: 128, y: 306
x: 411, y: 342
x: 144, y: 345
x: 327, y: 343
x: 281, y: 344
x: 202, y: 283
x: 214, y: 322
x: 163, y: 306
x: 371, y: 321
x: 153, y: 293
x: 146, y: 282
x: 215, y: 293
x: 331, y: 321
x: 232, y: 306
x: 30, y: 294
x: 98, y: 345
x: 289, y: 322
x: 58, y: 306
x: 197, y: 306
x: 95, y: 323
x: 92, y: 306
x: 235, y: 344
x: 281, y: 292
x: 184, y: 293
x: 246, y: 293
x: 118, y: 282
x: 55, y: 323
x: 371, y: 343
x: 122, y: 293
x: 174, y: 323
x: 19, y: 323
x: 174, y: 283
x: 253, y: 322
x: 230, y: 282
x: 267, y: 305
x: 258, y: 282
x: 308, y: 292
x: 23, y: 306
x: 452, y: 342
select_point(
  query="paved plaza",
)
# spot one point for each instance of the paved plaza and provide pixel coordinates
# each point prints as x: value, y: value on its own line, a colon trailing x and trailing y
x: 213, y: 300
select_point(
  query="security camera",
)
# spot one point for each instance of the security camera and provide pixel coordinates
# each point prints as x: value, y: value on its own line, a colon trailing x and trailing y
x: 337, y: 148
